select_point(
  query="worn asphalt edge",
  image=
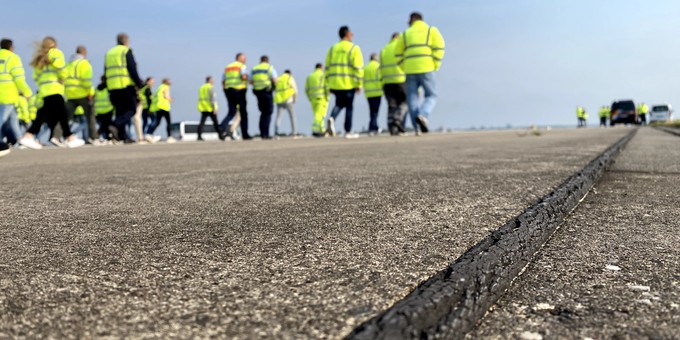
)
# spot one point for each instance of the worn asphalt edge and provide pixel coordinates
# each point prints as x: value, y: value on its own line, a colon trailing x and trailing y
x: 450, y: 303
x: 672, y: 131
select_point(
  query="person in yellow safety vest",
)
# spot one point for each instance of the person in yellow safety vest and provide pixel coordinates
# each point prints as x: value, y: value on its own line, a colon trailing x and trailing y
x: 145, y: 97
x: 22, y: 113
x: 394, y: 86
x: 344, y: 76
x: 163, y: 100
x: 263, y: 78
x: 317, y: 92
x: 582, y: 116
x: 420, y: 50
x: 235, y: 83
x: 285, y: 97
x: 604, y: 115
x: 122, y: 80
x: 103, y: 109
x: 49, y: 72
x: 79, y: 91
x: 373, y: 91
x: 643, y: 110
x: 207, y: 106
x: 12, y: 86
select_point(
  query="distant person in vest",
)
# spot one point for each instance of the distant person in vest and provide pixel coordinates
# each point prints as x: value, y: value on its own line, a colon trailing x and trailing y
x: 122, y: 81
x: 49, y: 72
x: 285, y: 97
x: 163, y: 100
x: 420, y: 50
x: 207, y: 106
x: 145, y: 96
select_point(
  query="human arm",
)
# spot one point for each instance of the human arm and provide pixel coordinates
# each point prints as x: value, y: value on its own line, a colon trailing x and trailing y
x: 437, y: 46
x: 358, y: 65
x: 16, y: 69
x: 132, y: 69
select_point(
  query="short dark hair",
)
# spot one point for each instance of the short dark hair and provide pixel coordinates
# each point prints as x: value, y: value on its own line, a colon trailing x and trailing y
x: 6, y: 44
x: 395, y: 35
x: 122, y: 38
x: 318, y: 65
x: 148, y: 79
x: 264, y: 59
x: 80, y: 49
x: 286, y: 71
x: 208, y: 78
x: 416, y: 16
x: 344, y: 30
x: 374, y: 56
x: 238, y: 55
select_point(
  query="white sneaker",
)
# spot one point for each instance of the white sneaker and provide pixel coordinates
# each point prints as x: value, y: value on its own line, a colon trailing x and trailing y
x: 170, y: 140
x: 74, y: 143
x: 30, y: 143
x: 351, y: 135
x: 152, y: 139
x: 331, y: 126
x: 56, y: 142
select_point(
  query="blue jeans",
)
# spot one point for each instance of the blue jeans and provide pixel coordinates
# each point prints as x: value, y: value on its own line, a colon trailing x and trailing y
x: 79, y: 127
x: 413, y: 83
x: 344, y: 99
x: 9, y: 123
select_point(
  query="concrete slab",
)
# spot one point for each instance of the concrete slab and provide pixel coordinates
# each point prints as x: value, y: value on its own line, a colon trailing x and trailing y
x: 287, y: 239
x: 613, y: 269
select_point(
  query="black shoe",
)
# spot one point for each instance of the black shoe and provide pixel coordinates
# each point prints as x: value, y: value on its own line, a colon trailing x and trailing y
x: 221, y: 136
x: 200, y: 139
x: 114, y: 132
x: 4, y: 149
x: 247, y: 137
x: 422, y: 121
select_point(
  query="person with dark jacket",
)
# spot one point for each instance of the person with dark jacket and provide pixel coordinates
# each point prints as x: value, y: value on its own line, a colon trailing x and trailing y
x: 122, y: 81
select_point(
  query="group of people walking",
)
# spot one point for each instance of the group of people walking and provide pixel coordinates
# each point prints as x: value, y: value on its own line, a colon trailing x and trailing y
x: 69, y: 105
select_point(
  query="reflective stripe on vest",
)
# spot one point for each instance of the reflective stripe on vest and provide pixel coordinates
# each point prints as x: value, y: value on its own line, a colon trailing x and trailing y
x: 233, y: 78
x: 262, y: 76
x: 117, y: 75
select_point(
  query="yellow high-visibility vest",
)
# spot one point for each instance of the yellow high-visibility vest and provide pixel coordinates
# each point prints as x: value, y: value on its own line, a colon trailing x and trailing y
x: 315, y: 85
x: 102, y: 102
x: 79, y: 80
x: 206, y: 99
x: 233, y: 78
x: 162, y: 102
x: 390, y: 71
x: 115, y: 68
x: 12, y: 78
x: 420, y: 48
x: 262, y: 76
x: 372, y: 83
x: 50, y: 78
x: 284, y: 88
x: 344, y: 66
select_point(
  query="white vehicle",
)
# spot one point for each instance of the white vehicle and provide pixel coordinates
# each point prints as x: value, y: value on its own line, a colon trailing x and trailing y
x: 661, y: 113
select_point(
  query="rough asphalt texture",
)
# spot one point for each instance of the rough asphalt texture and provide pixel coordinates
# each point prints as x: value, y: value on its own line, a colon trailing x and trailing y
x: 287, y: 239
x: 613, y: 269
x: 450, y: 304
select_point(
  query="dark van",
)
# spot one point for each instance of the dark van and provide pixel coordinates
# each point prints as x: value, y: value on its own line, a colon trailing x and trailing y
x: 623, y: 112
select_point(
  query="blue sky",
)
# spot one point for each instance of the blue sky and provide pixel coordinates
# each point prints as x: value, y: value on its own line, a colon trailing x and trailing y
x: 514, y: 62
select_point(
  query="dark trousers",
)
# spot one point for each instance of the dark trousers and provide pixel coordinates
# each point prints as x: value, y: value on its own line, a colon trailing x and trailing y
x: 237, y: 101
x: 395, y: 94
x: 160, y: 114
x: 213, y: 117
x: 643, y: 119
x: 72, y: 105
x: 344, y: 99
x: 125, y: 103
x: 603, y: 121
x: 104, y: 120
x: 148, y: 120
x: 52, y: 112
x: 374, y: 108
x: 265, y: 102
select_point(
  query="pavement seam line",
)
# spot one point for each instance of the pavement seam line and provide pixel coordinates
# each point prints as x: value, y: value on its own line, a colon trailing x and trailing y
x: 672, y: 131
x: 450, y: 303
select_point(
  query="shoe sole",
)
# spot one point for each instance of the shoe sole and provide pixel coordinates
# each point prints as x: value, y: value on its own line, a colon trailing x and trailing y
x: 4, y: 152
x: 423, y: 124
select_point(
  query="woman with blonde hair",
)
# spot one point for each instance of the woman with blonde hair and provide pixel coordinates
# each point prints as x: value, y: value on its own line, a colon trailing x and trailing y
x: 49, y: 72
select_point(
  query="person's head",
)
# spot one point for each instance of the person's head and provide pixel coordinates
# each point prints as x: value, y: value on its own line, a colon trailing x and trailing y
x: 103, y: 79
x: 374, y: 56
x: 241, y: 57
x: 81, y: 50
x: 345, y: 33
x: 209, y: 80
x: 40, y: 56
x: 167, y: 81
x: 122, y: 39
x: 318, y: 66
x: 6, y: 44
x: 264, y: 59
x: 286, y: 71
x: 395, y: 35
x: 415, y: 16
x: 150, y: 81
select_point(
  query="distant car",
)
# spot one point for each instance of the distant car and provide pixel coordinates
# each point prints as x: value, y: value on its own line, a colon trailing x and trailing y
x: 623, y: 112
x: 661, y: 113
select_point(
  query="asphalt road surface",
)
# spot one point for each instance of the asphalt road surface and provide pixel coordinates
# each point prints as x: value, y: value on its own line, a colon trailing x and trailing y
x: 612, y: 271
x: 264, y: 239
